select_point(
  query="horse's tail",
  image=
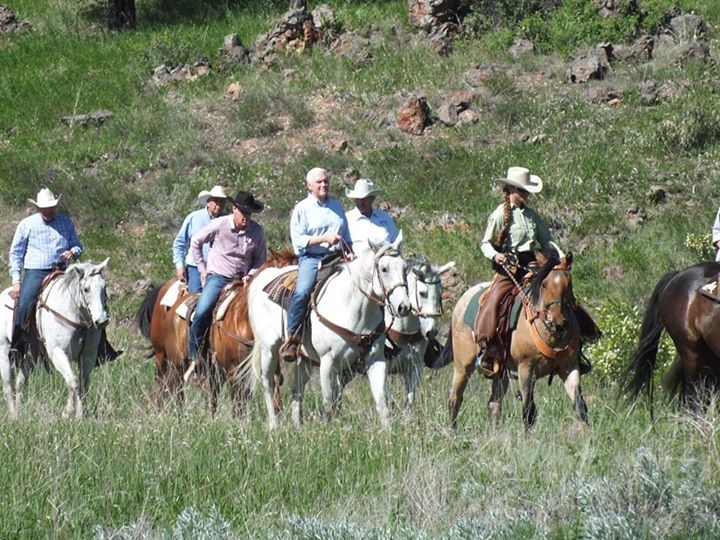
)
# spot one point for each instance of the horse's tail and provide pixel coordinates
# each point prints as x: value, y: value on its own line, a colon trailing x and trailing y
x: 446, y: 355
x: 642, y: 366
x: 144, y: 313
x: 254, y: 359
x: 245, y: 371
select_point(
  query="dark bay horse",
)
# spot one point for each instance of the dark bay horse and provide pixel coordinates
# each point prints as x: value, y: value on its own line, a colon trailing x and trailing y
x: 231, y: 340
x: 693, y: 322
x: 545, y: 342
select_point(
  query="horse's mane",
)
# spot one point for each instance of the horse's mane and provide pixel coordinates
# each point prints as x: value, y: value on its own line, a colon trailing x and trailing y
x: 69, y: 280
x: 536, y: 283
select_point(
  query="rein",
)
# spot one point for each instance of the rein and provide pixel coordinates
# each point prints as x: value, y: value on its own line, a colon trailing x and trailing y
x: 362, y: 341
x: 82, y: 325
x: 532, y: 314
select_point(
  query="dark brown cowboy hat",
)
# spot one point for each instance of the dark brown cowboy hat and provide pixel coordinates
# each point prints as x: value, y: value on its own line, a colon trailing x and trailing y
x: 245, y: 202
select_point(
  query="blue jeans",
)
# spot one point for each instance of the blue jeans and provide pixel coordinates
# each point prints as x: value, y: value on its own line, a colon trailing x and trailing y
x: 307, y: 273
x: 203, y: 311
x: 193, y: 279
x: 29, y: 287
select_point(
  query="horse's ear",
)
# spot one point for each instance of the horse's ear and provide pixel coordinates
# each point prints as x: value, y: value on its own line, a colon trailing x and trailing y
x: 540, y: 258
x: 445, y: 267
x: 397, y: 244
x: 568, y: 260
x: 100, y: 267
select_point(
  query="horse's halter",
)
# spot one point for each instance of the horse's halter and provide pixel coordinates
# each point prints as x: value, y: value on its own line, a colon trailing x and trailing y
x: 563, y: 302
x: 422, y: 313
x: 386, y: 291
x: 86, y: 321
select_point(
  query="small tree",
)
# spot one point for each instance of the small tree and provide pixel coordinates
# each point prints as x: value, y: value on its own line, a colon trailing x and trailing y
x: 121, y: 14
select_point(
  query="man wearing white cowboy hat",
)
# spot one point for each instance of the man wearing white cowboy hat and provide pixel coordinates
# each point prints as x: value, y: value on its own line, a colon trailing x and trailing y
x: 43, y: 242
x: 214, y: 204
x: 364, y: 221
x: 239, y: 249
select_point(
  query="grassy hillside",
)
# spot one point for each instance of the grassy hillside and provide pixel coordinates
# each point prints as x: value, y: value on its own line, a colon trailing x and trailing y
x: 130, y: 181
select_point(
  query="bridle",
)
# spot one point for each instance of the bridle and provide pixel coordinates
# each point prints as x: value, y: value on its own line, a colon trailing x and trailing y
x: 86, y: 321
x: 386, y: 291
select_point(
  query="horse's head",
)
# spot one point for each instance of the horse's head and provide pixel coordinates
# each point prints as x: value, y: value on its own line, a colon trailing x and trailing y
x: 91, y: 289
x: 388, y: 276
x: 425, y: 290
x: 551, y: 294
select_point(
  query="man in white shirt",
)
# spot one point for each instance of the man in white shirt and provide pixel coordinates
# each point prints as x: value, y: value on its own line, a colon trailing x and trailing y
x: 365, y: 222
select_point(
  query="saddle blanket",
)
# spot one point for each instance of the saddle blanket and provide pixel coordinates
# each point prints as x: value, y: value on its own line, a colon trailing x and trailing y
x: 171, y: 295
x: 473, y: 307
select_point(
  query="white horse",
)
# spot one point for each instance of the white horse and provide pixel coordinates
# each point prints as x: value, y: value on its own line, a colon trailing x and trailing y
x: 70, y: 314
x: 347, y: 328
x: 408, y: 336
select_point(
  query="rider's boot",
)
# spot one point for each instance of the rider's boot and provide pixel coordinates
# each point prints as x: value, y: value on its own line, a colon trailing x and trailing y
x: 289, y: 351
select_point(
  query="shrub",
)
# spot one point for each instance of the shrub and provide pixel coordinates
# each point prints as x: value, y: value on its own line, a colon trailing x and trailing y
x: 620, y: 323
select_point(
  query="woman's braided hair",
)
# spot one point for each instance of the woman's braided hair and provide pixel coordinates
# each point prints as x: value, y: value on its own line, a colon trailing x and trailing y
x: 507, y: 218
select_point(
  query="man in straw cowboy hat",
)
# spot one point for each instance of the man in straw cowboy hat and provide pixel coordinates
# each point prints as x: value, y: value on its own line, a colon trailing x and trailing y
x: 239, y: 249
x: 185, y: 267
x: 43, y: 242
x: 364, y: 221
x: 318, y: 227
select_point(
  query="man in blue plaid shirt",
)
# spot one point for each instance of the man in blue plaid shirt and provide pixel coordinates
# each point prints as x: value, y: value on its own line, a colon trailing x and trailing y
x: 43, y: 242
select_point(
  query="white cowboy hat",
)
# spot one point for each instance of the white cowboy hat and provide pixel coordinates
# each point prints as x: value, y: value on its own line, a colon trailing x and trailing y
x: 217, y: 192
x: 45, y: 199
x: 521, y: 178
x: 363, y: 188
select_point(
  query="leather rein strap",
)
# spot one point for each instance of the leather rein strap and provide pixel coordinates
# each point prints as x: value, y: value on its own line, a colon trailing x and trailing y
x: 361, y: 341
x: 400, y: 337
x: 80, y: 326
x: 546, y: 350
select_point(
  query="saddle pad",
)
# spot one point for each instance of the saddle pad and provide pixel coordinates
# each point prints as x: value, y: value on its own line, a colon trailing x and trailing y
x: 278, y: 288
x: 186, y: 306
x: 225, y: 304
x: 171, y: 295
x: 474, y: 305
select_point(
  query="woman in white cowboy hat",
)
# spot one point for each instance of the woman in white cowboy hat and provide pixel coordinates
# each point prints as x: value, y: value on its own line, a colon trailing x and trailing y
x: 214, y: 204
x: 364, y: 221
x: 43, y: 242
x: 513, y: 233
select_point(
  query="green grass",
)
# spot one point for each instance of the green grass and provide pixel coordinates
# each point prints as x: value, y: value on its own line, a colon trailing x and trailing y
x: 135, y: 472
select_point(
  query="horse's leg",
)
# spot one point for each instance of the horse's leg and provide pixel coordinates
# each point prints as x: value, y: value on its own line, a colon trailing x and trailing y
x: 413, y: 372
x: 329, y: 386
x: 60, y: 360
x: 268, y: 361
x: 277, y: 398
x: 302, y: 374
x: 377, y: 378
x: 497, y: 394
x: 160, y: 391
x: 215, y: 379
x: 461, y: 376
x: 6, y: 374
x: 574, y: 392
x: 526, y: 381
x: 22, y: 374
x: 87, y: 361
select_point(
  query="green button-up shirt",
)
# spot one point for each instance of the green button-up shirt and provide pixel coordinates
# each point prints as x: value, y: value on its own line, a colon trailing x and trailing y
x: 528, y: 232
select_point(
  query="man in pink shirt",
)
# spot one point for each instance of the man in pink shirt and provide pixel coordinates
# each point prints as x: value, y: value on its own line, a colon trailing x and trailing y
x: 238, y: 250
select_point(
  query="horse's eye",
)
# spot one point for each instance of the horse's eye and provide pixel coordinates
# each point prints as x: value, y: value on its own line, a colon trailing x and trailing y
x: 424, y: 294
x: 86, y: 289
x: 384, y: 269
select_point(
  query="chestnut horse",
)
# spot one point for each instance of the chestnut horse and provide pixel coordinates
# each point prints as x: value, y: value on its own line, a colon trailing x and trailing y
x: 692, y: 320
x: 545, y: 342
x: 231, y: 340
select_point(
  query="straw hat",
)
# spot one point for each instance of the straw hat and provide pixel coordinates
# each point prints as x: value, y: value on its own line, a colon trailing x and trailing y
x: 363, y: 188
x: 217, y: 192
x: 45, y: 199
x: 520, y: 177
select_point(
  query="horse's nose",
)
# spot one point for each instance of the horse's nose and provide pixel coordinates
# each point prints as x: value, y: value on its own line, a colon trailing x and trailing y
x: 103, y: 321
x: 404, y: 308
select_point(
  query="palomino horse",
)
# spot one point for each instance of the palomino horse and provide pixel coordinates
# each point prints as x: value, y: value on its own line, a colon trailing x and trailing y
x: 347, y: 328
x: 545, y: 342
x: 692, y: 320
x: 70, y: 315
x: 162, y: 320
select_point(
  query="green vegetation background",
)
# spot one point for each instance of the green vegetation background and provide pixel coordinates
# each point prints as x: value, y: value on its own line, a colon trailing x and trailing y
x: 132, y: 472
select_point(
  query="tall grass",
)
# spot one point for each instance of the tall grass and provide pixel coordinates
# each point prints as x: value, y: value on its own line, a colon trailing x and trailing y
x: 129, y: 471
